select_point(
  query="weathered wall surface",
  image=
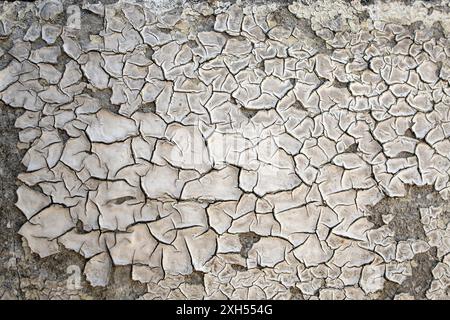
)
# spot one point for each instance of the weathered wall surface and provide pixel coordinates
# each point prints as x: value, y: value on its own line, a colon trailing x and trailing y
x: 225, y: 150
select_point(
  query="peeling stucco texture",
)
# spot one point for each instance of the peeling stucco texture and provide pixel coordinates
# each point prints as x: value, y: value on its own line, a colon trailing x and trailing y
x: 228, y: 150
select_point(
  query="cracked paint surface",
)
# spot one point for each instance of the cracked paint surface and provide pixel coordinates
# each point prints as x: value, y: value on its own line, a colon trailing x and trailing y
x: 235, y: 150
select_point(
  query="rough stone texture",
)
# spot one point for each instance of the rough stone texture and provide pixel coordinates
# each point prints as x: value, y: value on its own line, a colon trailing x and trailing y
x: 225, y: 150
